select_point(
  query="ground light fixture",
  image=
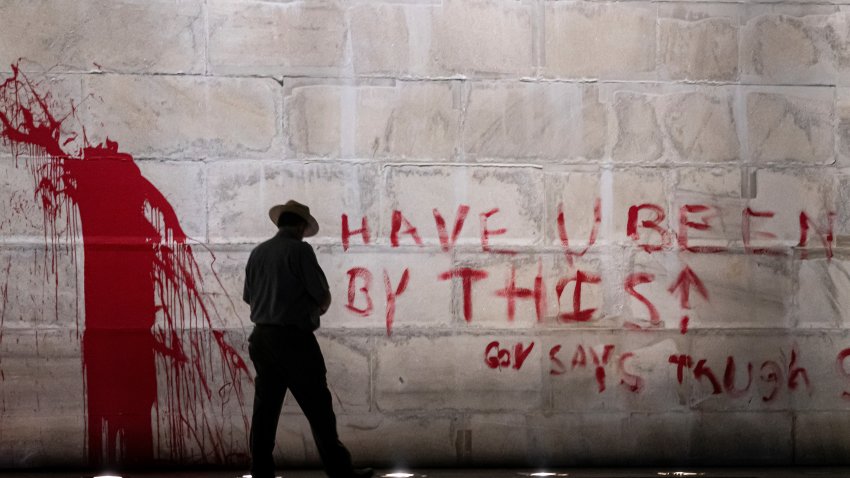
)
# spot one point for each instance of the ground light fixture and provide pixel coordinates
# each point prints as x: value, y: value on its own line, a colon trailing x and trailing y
x: 679, y: 473
x: 402, y: 474
x: 544, y: 474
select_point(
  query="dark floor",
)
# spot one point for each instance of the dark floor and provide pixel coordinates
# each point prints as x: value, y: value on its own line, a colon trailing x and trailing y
x: 807, y: 472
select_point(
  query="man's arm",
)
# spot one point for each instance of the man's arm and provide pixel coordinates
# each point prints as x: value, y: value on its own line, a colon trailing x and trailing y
x: 246, y: 289
x: 314, y: 278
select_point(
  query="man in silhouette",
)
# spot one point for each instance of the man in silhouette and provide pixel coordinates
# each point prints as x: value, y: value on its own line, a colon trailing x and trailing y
x: 287, y: 292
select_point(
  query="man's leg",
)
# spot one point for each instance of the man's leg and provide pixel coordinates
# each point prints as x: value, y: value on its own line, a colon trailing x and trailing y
x: 315, y: 401
x: 269, y: 391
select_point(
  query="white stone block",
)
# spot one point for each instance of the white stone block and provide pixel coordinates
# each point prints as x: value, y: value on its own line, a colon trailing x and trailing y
x: 184, y: 117
x: 124, y: 36
x: 600, y: 40
x: 406, y: 369
x: 262, y: 38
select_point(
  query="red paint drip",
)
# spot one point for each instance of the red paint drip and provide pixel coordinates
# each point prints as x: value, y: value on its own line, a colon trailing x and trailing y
x: 144, y: 308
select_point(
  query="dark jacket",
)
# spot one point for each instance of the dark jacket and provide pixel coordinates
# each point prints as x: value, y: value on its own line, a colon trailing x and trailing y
x: 284, y: 284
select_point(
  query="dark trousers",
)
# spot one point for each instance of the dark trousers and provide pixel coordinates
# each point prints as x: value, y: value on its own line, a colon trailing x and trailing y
x: 289, y: 358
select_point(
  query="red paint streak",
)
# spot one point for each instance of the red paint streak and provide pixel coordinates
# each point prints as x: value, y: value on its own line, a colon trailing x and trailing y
x: 467, y: 277
x: 681, y: 362
x: 796, y: 372
x: 839, y: 365
x: 558, y: 367
x: 683, y: 325
x: 496, y: 357
x: 687, y: 279
x: 600, y: 364
x: 825, y: 236
x: 143, y: 294
x: 771, y: 372
x: 702, y: 370
x: 594, y: 232
x: 703, y: 225
x: 642, y: 278
x: 392, y: 294
x: 511, y: 292
x: 347, y: 232
x: 653, y: 224
x: 632, y: 382
x: 521, y: 353
x: 398, y: 222
x: 365, y: 276
x: 729, y: 378
x: 578, y: 314
x: 748, y: 233
x: 486, y: 233
x: 445, y: 243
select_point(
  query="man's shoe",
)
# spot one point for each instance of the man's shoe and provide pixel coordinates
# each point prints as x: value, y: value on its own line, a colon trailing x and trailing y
x: 362, y: 473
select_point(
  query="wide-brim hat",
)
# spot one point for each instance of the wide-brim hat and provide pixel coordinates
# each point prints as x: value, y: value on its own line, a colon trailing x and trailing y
x: 299, y: 210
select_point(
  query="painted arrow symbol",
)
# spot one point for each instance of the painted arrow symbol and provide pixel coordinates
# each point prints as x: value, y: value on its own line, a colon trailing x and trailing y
x: 687, y: 279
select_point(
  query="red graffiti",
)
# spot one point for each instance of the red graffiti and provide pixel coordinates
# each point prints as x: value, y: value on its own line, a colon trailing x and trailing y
x: 467, y: 277
x: 398, y: 222
x: 144, y: 302
x: 748, y: 233
x: 687, y: 279
x: 825, y: 236
x: 633, y: 383
x: 703, y: 225
x: 347, y: 232
x: 496, y: 357
x: 365, y: 277
x: 558, y: 367
x: 511, y: 292
x: 392, y: 294
x: 594, y: 232
x: 578, y: 314
x: 634, y: 280
x: 653, y: 224
x: 445, y: 242
x: 839, y: 364
x: 486, y: 233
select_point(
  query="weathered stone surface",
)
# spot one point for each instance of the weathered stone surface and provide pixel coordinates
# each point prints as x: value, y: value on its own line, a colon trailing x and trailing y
x: 261, y: 38
x: 406, y: 367
x: 125, y: 36
x: 820, y: 438
x: 160, y: 116
x: 535, y: 121
x: 681, y: 124
x: 470, y: 38
x: 241, y: 192
x: 390, y: 441
x: 744, y: 290
x: 791, y: 125
x: 711, y: 197
x: 822, y: 298
x: 787, y: 45
x: 698, y: 42
x: 508, y: 197
x: 405, y: 120
x: 604, y: 40
x: 381, y: 37
x: 736, y: 438
x: 482, y: 37
x: 639, y: 131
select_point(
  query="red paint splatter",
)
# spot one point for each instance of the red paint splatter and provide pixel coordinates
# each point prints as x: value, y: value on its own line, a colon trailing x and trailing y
x: 144, y: 307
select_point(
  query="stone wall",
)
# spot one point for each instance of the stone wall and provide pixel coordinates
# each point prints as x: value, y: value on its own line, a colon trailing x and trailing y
x: 557, y: 232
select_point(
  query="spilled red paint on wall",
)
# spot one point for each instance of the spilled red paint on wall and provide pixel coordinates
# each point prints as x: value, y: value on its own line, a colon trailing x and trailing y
x: 143, y: 293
